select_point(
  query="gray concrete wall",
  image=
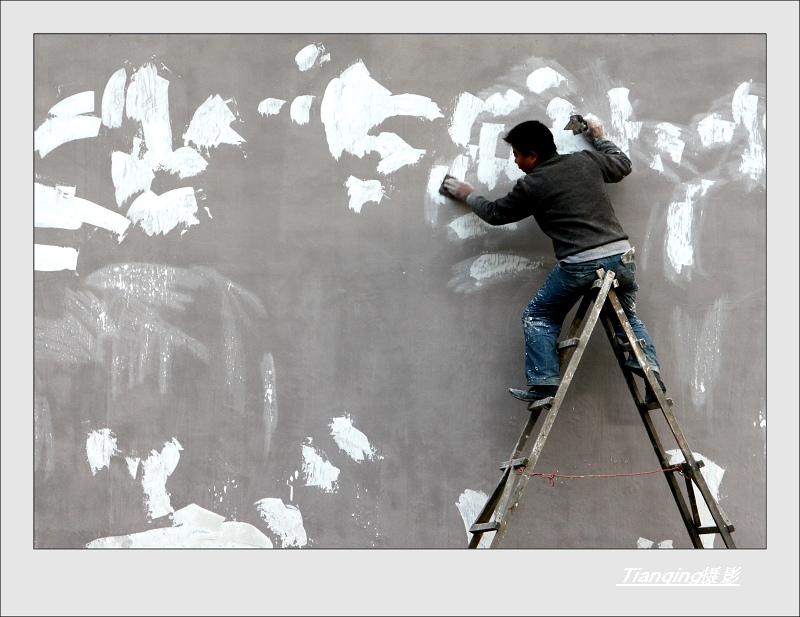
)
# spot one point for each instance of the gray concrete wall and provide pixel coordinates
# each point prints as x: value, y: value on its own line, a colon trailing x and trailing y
x: 307, y: 344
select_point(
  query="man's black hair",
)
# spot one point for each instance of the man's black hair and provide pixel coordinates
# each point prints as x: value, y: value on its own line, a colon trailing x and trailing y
x: 532, y: 136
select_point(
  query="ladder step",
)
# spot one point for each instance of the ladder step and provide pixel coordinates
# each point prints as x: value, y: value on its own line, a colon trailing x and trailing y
x: 482, y: 527
x: 517, y: 462
x: 701, y: 530
x: 570, y: 342
x: 657, y: 405
x: 626, y: 346
x: 542, y: 402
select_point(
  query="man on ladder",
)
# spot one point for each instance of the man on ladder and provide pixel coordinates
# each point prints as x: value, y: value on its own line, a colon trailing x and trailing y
x: 566, y: 194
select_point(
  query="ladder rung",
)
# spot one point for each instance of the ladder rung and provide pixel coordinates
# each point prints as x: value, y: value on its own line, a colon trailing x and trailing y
x: 517, y: 462
x: 542, y: 402
x: 570, y: 342
x: 657, y: 405
x: 701, y: 530
x: 626, y: 346
x: 481, y: 527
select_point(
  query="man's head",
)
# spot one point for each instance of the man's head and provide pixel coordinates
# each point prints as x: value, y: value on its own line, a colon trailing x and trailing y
x: 532, y: 143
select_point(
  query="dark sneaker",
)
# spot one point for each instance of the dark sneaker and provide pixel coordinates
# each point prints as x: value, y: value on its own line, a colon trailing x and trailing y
x: 534, y: 393
x: 649, y: 395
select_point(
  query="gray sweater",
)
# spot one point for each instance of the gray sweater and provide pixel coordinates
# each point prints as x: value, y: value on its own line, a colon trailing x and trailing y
x: 566, y: 194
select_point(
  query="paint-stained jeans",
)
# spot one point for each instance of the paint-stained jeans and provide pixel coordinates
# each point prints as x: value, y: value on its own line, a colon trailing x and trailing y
x: 564, y: 286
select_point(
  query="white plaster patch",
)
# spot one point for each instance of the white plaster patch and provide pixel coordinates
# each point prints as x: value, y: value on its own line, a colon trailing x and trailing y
x: 354, y: 103
x: 745, y: 112
x: 352, y: 441
x: 467, y: 109
x: 668, y: 140
x: 54, y: 132
x: 47, y: 258
x: 624, y: 129
x: 680, y: 226
x: 113, y: 104
x: 130, y: 173
x: 714, y: 130
x: 185, y: 162
x: 712, y: 474
x: 100, y: 447
x: 58, y: 207
x: 645, y: 543
x: 307, y: 56
x: 133, y: 465
x: 470, y: 225
x: 489, y: 165
x: 469, y: 504
x: 210, y: 125
x: 318, y: 471
x: 498, y: 265
x: 160, y: 214
x: 657, y: 164
x: 362, y: 191
x: 285, y: 521
x: 300, y: 109
x: 147, y: 101
x: 193, y: 527
x: 156, y: 468
x: 270, y: 400
x: 501, y: 104
x: 544, y: 78
x: 270, y: 107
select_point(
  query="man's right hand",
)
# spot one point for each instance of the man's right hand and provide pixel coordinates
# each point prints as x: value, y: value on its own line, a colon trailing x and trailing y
x: 594, y: 128
x: 457, y: 189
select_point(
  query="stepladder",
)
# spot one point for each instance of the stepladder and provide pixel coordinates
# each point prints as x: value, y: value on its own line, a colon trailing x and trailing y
x: 684, y: 478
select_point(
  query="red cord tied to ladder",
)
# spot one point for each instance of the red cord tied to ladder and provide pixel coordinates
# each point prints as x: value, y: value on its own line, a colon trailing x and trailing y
x: 552, y: 476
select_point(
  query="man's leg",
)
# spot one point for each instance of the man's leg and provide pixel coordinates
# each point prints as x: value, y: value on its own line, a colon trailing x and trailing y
x: 541, y: 324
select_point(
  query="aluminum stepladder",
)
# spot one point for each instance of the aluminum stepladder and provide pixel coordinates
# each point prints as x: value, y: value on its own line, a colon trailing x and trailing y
x: 601, y: 303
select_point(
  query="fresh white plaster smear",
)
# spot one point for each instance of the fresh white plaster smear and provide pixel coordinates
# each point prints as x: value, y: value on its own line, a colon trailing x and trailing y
x: 559, y: 110
x: 470, y: 225
x: 668, y: 140
x: 160, y: 214
x: 43, y: 450
x: 67, y: 122
x: 352, y: 441
x: 47, y: 258
x: 704, y: 338
x: 476, y: 273
x: 712, y: 474
x: 270, y: 107
x: 58, y: 207
x: 75, y: 105
x: 210, y: 125
x: 657, y: 164
x: 130, y: 173
x: 543, y: 79
x: 489, y: 165
x: 362, y: 191
x: 112, y: 106
x: 312, y: 52
x: 184, y: 162
x: 745, y: 112
x: 285, y: 521
x: 468, y: 108
x: 133, y: 465
x: 500, y: 265
x: 623, y: 129
x: 715, y: 130
x: 270, y: 408
x: 318, y: 471
x: 300, y: 109
x: 354, y: 103
x: 645, y: 543
x: 193, y: 527
x: 680, y: 226
x: 469, y: 504
x: 156, y: 468
x: 147, y: 101
x: 101, y: 445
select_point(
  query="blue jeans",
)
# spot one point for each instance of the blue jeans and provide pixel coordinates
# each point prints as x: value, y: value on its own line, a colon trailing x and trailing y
x: 564, y: 286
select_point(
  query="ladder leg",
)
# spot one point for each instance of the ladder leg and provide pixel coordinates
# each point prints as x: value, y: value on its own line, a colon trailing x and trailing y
x: 692, y: 469
x: 585, y: 320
